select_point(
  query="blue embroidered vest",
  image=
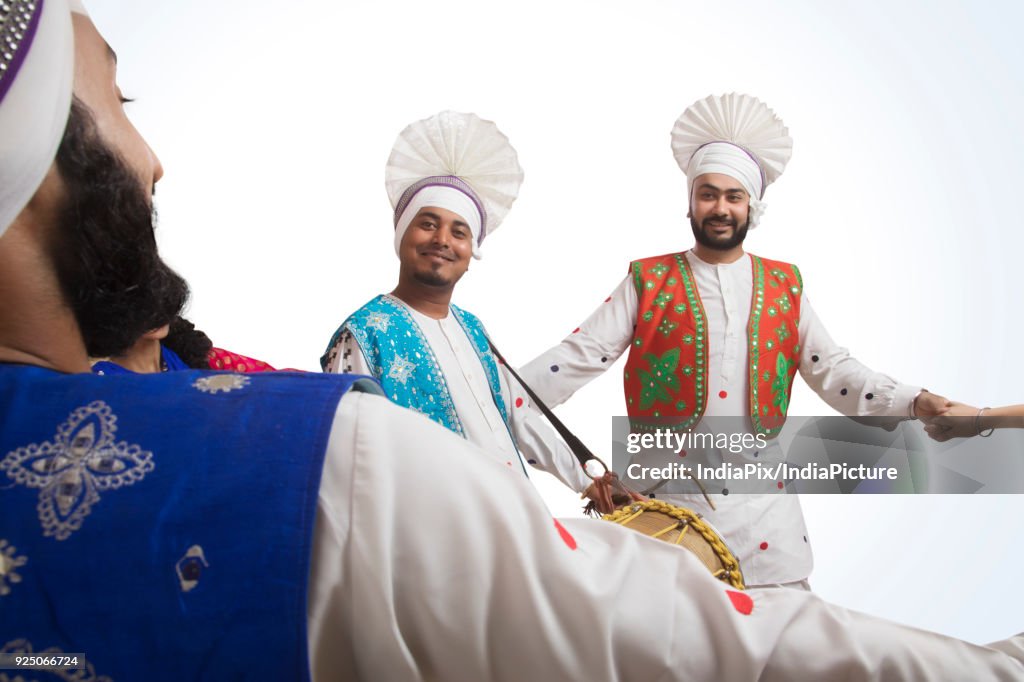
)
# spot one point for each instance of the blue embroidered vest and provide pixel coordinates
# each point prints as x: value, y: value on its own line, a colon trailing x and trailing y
x: 400, y: 358
x: 161, y: 524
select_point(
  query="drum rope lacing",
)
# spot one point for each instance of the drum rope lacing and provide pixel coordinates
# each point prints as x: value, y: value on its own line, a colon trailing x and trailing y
x: 685, y: 519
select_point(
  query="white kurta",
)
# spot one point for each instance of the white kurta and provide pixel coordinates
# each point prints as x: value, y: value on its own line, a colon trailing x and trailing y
x: 433, y: 562
x: 471, y: 394
x: 766, y: 532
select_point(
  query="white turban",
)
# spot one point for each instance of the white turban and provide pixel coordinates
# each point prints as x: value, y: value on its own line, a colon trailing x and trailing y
x: 732, y: 160
x: 448, y: 198
x: 462, y: 152
x: 35, y: 98
x: 735, y: 135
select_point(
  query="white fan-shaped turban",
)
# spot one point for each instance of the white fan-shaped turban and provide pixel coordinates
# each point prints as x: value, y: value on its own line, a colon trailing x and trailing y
x: 736, y: 135
x: 454, y: 161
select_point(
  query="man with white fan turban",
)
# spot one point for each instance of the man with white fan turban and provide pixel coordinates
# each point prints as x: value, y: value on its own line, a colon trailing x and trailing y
x: 209, y: 525
x: 715, y: 332
x: 452, y: 179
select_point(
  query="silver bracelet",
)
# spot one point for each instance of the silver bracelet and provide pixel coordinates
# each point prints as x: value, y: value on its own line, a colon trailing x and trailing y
x: 977, y: 424
x: 912, y: 410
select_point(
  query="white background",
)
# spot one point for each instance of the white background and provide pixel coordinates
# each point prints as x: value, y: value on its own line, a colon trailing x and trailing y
x: 901, y: 203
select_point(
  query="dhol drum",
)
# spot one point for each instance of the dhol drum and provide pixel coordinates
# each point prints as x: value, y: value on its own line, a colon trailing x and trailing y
x: 680, y: 526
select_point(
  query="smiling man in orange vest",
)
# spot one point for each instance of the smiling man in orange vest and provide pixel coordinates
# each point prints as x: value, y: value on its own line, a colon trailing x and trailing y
x: 718, y: 332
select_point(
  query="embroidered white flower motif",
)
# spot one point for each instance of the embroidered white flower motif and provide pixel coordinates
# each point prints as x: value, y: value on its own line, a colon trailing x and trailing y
x: 221, y: 383
x: 379, y: 321
x: 401, y: 369
x: 72, y: 469
x: 9, y: 562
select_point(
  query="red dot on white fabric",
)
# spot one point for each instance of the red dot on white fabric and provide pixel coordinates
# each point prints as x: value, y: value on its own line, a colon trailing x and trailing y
x: 607, y: 299
x: 508, y: 463
x: 723, y: 395
x: 576, y: 330
x: 764, y: 546
x: 741, y: 602
x: 568, y: 539
x: 519, y: 402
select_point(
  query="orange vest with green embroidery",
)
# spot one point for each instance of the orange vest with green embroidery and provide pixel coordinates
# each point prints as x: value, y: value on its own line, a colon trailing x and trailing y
x: 666, y: 374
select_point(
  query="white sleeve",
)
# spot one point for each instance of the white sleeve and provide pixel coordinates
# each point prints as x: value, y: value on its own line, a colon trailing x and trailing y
x: 538, y: 441
x: 346, y: 357
x: 840, y: 380
x: 432, y: 562
x: 587, y: 352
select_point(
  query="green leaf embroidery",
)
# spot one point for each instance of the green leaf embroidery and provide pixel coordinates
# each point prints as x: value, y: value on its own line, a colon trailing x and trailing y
x: 780, y: 387
x: 666, y: 326
x: 662, y: 299
x: 659, y: 381
x: 658, y: 270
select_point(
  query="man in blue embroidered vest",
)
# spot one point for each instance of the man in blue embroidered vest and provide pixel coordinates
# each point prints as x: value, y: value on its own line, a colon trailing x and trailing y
x: 214, y: 526
x: 720, y: 333
x: 452, y: 179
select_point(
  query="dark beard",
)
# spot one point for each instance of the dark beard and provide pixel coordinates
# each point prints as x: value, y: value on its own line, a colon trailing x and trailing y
x: 738, y: 235
x: 431, y: 279
x: 104, y: 248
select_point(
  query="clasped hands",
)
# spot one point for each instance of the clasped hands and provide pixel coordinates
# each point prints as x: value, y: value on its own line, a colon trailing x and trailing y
x: 945, y: 419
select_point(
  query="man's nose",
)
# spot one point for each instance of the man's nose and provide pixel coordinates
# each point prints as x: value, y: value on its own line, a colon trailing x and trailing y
x: 158, y: 168
x: 442, y: 236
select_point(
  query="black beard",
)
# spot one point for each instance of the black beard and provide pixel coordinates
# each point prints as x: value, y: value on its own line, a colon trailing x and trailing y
x: 104, y: 248
x: 431, y: 279
x: 738, y: 235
